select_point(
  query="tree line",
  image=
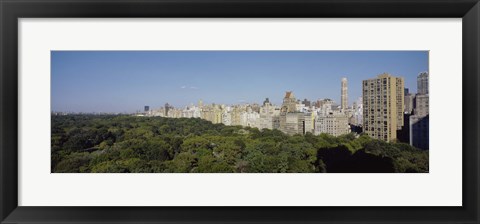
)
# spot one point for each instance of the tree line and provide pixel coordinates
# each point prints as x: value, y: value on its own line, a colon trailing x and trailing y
x: 128, y: 144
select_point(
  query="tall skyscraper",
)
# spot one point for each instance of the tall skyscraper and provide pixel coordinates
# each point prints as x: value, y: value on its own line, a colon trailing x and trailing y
x: 383, y: 106
x: 146, y: 109
x: 344, y: 96
x: 419, y: 121
x: 422, y: 83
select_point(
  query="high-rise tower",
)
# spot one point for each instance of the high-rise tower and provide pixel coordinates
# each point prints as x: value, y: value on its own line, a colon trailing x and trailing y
x: 422, y: 83
x: 383, y: 106
x: 344, y: 96
x: 419, y: 121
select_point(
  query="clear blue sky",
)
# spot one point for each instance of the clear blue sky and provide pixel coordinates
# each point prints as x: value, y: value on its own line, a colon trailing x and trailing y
x: 125, y: 81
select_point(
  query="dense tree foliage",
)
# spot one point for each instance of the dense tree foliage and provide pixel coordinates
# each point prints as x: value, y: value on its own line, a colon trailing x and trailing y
x: 111, y: 144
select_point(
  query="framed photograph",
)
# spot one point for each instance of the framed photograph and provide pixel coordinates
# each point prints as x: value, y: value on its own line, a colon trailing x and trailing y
x: 239, y: 111
x: 97, y: 127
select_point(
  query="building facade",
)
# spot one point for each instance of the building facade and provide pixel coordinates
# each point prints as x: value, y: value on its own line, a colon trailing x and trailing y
x: 419, y: 131
x: 383, y: 106
x: 409, y: 98
x: 291, y: 120
x: 335, y: 124
x: 419, y: 122
x: 289, y: 104
x: 292, y: 123
x: 358, y: 112
x: 268, y: 115
x: 422, y: 83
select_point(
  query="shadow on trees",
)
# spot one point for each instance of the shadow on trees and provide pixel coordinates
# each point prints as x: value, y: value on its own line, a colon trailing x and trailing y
x: 341, y: 160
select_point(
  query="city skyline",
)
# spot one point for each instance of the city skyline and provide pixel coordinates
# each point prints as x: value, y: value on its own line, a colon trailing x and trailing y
x: 126, y: 81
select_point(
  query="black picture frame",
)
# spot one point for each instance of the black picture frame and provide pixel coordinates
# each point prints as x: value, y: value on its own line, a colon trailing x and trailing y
x: 12, y: 10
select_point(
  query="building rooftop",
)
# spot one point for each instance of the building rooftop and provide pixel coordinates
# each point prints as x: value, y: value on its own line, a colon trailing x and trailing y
x: 289, y: 94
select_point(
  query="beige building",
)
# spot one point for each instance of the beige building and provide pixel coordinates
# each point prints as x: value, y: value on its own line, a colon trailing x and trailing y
x: 268, y: 113
x: 309, y: 122
x: 291, y: 122
x: 335, y: 124
x: 383, y: 106
x: 212, y: 113
x: 289, y: 103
